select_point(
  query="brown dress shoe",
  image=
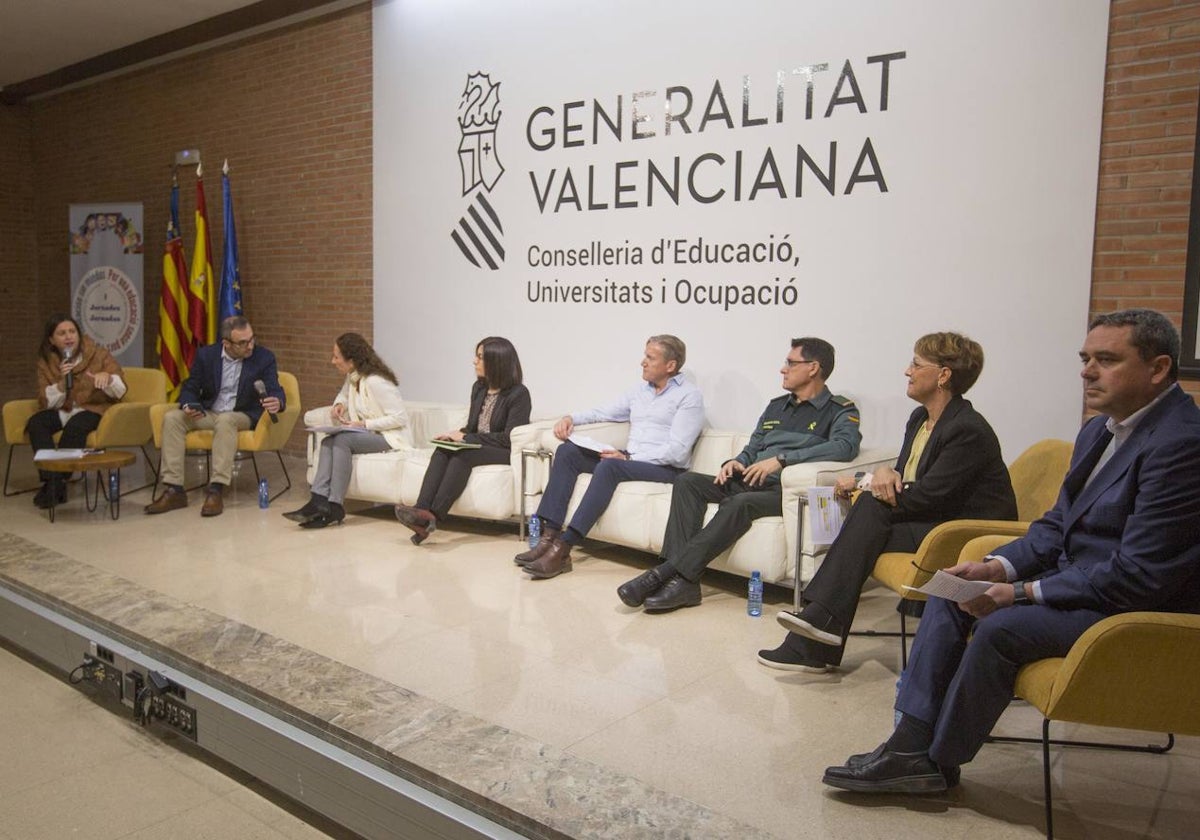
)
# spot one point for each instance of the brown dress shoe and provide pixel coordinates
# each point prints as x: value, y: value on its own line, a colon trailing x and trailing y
x: 418, y: 520
x: 172, y: 498
x: 544, y: 543
x: 214, y: 503
x: 552, y: 563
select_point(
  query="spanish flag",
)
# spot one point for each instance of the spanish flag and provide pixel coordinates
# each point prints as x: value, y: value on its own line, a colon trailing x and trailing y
x: 202, y: 315
x: 175, y: 348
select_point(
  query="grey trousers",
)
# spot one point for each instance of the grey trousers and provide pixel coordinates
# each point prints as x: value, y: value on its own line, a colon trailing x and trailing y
x: 335, y: 465
x: 224, y: 425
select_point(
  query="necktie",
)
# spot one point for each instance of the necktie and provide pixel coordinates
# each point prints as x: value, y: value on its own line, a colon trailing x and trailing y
x: 1084, y: 469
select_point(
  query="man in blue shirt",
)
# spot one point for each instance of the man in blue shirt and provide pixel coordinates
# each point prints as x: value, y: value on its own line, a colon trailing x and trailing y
x: 665, y: 414
x: 808, y: 423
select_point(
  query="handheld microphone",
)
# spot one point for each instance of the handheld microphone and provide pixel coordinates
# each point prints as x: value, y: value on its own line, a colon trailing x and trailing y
x: 68, y: 353
x: 261, y: 389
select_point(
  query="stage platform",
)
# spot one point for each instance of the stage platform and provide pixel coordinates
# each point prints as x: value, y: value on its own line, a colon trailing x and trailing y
x: 436, y: 691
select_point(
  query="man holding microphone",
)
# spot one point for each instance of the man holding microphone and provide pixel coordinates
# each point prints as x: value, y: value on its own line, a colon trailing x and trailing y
x: 221, y: 394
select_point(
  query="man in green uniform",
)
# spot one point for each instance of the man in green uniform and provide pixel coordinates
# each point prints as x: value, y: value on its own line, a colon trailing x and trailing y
x: 806, y: 424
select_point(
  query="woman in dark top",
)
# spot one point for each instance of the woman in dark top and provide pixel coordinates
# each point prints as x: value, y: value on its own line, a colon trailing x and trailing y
x: 949, y: 468
x: 499, y: 403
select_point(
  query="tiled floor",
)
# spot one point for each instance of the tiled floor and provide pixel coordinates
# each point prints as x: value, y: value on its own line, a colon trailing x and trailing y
x: 676, y: 701
x: 74, y: 768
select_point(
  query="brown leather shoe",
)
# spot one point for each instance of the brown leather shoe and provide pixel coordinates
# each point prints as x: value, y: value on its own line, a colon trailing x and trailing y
x: 549, y: 535
x: 418, y: 520
x: 172, y: 498
x: 553, y: 563
x: 214, y: 503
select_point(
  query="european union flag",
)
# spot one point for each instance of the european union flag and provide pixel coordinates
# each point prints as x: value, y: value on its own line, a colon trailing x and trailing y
x: 231, y: 279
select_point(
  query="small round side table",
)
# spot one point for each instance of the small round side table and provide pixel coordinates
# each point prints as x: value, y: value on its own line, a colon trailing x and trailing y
x: 94, y: 461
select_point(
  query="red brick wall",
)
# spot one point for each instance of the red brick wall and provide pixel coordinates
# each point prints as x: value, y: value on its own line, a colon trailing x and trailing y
x: 291, y: 110
x: 20, y: 326
x: 1147, y: 142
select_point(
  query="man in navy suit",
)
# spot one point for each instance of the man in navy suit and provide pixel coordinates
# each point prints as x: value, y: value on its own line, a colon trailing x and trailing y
x: 219, y: 395
x: 1122, y: 536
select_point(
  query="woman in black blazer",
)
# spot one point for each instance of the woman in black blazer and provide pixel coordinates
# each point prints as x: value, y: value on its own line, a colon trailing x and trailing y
x: 499, y: 403
x: 949, y: 468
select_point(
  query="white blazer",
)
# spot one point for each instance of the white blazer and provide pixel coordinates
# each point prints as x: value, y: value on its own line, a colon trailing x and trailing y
x: 377, y: 402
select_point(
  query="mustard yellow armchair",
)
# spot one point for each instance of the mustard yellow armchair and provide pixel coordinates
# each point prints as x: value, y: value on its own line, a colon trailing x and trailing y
x: 264, y: 437
x: 125, y: 424
x: 1138, y: 670
x: 1036, y: 476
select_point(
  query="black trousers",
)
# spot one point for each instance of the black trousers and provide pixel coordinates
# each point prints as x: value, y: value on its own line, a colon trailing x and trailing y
x: 689, y: 545
x: 43, y: 426
x: 867, y: 532
x: 448, y: 473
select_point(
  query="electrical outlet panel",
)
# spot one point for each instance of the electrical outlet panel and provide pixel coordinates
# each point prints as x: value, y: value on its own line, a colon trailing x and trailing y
x: 169, y: 710
x: 108, y: 678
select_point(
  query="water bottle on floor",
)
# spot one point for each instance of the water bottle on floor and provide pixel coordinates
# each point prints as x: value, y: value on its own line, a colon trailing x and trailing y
x: 264, y: 494
x: 535, y: 530
x: 754, y: 595
x: 114, y: 485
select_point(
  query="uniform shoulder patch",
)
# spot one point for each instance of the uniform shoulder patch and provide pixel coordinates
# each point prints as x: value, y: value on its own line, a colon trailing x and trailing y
x: 844, y: 402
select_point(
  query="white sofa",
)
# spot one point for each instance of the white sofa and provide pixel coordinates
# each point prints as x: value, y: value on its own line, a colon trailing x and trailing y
x: 637, y: 515
x: 395, y: 477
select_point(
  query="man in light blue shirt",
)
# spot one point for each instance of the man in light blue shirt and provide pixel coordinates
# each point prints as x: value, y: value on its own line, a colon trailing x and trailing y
x: 665, y: 414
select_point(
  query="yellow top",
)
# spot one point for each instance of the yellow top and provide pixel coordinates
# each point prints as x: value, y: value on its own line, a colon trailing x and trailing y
x: 914, y: 456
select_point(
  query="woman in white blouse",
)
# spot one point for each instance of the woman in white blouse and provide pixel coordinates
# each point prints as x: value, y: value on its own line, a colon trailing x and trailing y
x: 372, y: 413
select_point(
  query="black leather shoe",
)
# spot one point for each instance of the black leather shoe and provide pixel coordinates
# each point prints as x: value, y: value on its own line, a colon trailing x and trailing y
x: 331, y: 514
x: 42, y: 499
x: 892, y: 772
x: 675, y: 593
x: 865, y: 758
x: 633, y: 592
x: 311, y: 509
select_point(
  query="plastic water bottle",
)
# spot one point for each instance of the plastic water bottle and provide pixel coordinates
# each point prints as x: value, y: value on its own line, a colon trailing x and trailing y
x: 264, y: 494
x: 114, y: 486
x: 535, y: 530
x: 754, y: 595
x: 897, y: 714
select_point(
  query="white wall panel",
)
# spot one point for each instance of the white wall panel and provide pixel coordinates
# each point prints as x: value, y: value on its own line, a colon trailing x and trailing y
x: 988, y: 145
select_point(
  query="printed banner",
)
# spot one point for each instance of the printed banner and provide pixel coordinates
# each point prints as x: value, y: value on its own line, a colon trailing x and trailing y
x: 579, y: 176
x: 106, y: 276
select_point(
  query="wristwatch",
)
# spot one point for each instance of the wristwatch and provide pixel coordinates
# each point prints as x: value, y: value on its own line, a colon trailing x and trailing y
x: 782, y: 462
x: 1021, y: 594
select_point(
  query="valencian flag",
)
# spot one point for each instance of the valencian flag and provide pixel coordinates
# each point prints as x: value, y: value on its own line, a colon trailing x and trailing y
x: 175, y: 348
x: 202, y: 312
x: 231, y: 278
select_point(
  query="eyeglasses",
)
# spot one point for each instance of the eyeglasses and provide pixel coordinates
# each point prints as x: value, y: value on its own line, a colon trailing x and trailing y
x: 243, y: 344
x: 791, y: 363
x: 915, y: 365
